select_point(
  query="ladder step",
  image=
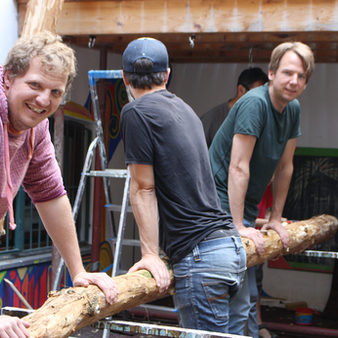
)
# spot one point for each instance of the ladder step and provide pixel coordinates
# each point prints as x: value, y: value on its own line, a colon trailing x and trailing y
x: 128, y: 242
x: 117, y: 207
x: 113, y: 173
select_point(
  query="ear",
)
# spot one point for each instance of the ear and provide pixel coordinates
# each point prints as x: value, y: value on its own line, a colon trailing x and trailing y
x: 167, y: 75
x: 271, y: 74
x: 8, y: 80
x: 241, y: 90
x: 125, y: 79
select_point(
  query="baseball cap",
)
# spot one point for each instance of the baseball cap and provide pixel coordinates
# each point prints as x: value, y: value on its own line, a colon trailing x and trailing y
x: 148, y: 48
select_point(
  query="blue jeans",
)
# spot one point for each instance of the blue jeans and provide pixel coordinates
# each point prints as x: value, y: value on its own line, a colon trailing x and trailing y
x: 206, y: 280
x: 243, y: 305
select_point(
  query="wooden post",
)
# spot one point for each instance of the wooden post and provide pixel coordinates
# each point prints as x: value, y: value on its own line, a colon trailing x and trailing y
x: 41, y: 15
x: 71, y: 309
x: 59, y: 152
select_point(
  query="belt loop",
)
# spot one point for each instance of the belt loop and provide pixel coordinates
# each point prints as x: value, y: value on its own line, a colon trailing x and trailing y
x: 196, y: 254
x: 237, y: 246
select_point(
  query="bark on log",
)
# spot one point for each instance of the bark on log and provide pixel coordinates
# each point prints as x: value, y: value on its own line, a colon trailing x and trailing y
x: 41, y: 15
x: 303, y: 235
x: 71, y: 309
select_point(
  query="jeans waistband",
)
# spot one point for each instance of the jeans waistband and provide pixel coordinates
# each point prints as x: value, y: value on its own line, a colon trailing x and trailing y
x: 216, y: 234
x: 236, y: 241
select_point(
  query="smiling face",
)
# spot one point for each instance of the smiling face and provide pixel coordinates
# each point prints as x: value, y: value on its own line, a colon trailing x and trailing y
x: 33, y: 96
x: 288, y: 81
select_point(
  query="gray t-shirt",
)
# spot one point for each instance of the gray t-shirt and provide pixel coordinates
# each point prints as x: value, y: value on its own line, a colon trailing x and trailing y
x: 213, y: 119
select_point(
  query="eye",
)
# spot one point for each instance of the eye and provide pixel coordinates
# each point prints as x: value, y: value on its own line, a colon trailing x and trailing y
x: 57, y: 92
x: 34, y: 85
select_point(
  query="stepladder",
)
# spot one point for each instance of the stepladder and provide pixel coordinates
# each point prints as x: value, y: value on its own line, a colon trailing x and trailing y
x: 98, y: 145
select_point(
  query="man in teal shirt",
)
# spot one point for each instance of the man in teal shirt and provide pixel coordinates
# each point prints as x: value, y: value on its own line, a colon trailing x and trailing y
x: 256, y: 141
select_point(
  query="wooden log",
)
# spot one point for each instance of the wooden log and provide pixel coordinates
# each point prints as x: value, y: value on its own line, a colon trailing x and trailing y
x: 71, y: 309
x: 303, y: 235
x: 41, y: 15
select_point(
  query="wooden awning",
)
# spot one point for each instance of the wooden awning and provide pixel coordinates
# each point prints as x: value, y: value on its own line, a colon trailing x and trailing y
x: 201, y: 30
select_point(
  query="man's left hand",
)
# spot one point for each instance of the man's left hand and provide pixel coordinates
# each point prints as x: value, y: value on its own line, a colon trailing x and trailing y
x: 280, y: 229
x: 102, y: 280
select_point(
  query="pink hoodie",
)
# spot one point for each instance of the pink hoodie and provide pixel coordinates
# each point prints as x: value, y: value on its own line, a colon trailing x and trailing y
x: 28, y: 159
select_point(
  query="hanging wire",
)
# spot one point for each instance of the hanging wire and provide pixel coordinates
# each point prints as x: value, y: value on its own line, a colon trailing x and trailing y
x: 250, y: 56
x: 192, y: 40
x: 91, y: 42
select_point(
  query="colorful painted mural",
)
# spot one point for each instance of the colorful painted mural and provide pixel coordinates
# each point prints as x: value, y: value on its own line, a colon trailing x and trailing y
x: 33, y: 282
x: 115, y: 97
x: 313, y: 191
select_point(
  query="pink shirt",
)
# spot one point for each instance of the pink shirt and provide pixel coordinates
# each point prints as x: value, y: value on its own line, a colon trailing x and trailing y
x: 40, y: 175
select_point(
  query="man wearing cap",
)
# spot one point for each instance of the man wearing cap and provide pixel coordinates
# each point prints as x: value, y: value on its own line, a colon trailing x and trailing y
x: 173, y: 194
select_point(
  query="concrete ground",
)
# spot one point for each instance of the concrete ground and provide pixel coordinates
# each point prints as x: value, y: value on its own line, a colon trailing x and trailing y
x: 269, y: 314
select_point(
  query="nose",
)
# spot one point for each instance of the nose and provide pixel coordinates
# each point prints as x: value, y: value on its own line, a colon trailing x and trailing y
x: 294, y: 78
x: 43, y: 99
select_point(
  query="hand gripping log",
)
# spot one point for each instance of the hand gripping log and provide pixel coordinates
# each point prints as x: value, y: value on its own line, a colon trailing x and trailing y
x: 71, y: 309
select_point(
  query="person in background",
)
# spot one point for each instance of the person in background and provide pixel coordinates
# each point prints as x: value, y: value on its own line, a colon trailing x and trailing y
x: 173, y: 194
x: 36, y: 76
x: 256, y: 141
x: 248, y: 79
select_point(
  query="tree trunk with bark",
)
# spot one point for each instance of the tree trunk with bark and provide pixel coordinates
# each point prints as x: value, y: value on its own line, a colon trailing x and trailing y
x: 41, y: 15
x: 71, y: 309
x: 303, y: 235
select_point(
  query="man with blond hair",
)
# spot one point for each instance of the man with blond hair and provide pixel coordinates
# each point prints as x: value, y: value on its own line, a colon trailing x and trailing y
x: 257, y: 141
x: 37, y: 73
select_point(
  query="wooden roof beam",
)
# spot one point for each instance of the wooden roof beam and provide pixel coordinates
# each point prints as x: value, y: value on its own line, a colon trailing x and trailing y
x: 195, y: 16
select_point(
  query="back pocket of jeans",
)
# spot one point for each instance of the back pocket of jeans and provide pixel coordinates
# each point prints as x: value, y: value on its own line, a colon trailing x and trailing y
x: 218, y: 296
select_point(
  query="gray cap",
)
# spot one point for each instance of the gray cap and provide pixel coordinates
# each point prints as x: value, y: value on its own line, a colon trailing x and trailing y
x: 148, y: 48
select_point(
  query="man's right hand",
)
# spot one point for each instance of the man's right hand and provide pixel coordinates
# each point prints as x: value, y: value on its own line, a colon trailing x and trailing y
x: 255, y: 235
x: 155, y: 265
x: 13, y: 327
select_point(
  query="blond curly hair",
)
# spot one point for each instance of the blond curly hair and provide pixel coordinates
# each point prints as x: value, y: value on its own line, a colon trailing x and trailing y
x: 54, y: 54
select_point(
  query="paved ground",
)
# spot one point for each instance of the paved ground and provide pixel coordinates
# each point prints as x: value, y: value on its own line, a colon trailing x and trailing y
x: 270, y: 314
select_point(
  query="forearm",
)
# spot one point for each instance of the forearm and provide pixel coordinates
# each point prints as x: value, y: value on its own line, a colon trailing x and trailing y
x: 145, y: 209
x: 239, y: 175
x: 281, y: 185
x: 57, y: 218
x: 237, y: 188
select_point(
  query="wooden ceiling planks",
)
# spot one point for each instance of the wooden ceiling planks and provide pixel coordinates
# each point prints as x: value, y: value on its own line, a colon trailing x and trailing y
x: 221, y: 31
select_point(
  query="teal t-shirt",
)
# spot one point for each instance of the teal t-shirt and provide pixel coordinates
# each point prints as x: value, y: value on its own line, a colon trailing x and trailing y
x: 253, y: 114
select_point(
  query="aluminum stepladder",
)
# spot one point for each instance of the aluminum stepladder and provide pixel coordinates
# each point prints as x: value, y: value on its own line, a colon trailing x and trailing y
x: 105, y: 173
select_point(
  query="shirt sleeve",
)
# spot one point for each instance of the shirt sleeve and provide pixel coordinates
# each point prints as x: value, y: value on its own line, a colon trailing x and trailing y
x: 43, y: 179
x: 295, y: 110
x: 137, y: 137
x: 250, y: 117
